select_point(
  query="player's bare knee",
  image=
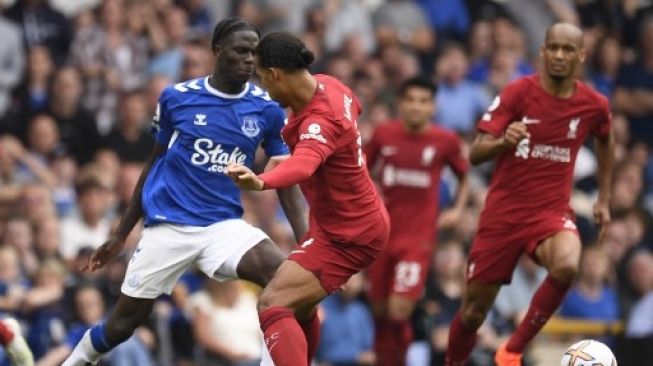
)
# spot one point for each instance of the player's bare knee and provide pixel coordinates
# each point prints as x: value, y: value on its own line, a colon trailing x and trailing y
x: 473, y: 315
x: 564, y: 271
x: 400, y: 311
x: 269, y: 299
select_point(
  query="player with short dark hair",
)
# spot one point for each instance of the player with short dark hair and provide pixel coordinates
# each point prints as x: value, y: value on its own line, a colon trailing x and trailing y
x: 348, y: 224
x: 407, y: 157
x: 191, y: 208
x: 534, y: 129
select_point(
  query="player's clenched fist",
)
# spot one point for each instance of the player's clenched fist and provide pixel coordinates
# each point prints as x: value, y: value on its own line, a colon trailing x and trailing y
x: 515, y: 132
x: 244, y: 177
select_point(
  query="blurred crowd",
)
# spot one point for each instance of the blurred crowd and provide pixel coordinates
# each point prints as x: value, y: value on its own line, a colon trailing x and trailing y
x: 79, y: 81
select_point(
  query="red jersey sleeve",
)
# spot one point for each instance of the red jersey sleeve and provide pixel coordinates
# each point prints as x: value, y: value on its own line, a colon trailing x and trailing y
x: 297, y: 168
x: 601, y: 128
x: 502, y: 111
x: 456, y: 159
x: 318, y: 134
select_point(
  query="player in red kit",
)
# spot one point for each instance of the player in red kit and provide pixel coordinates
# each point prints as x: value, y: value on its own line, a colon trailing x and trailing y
x: 534, y: 129
x: 348, y: 224
x: 407, y: 157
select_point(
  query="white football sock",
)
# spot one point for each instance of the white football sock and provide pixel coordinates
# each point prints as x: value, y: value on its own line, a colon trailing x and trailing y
x: 84, y: 353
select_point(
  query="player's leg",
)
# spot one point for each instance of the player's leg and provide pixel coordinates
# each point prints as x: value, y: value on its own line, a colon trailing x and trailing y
x: 477, y: 301
x: 560, y: 254
x: 492, y: 259
x: 293, y: 288
x: 14, y: 344
x: 259, y: 265
x: 381, y: 277
x: 163, y: 254
x: 312, y: 272
x: 127, y: 315
x: 408, y: 280
x: 240, y: 250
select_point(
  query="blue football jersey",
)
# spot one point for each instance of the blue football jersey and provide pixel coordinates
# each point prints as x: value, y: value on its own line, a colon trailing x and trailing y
x: 205, y: 129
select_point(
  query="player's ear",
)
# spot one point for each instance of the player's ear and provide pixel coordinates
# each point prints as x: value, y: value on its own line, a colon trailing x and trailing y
x: 275, y: 73
x: 215, y: 50
x: 582, y: 55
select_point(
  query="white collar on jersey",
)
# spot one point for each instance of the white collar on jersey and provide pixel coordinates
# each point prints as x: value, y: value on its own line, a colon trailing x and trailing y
x: 220, y: 94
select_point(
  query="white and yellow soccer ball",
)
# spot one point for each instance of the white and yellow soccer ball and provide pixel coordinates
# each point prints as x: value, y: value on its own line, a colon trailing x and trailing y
x: 588, y: 352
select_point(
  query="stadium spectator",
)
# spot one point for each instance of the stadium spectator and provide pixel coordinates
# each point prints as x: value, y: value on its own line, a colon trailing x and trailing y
x: 347, y: 328
x: 591, y: 297
x: 110, y: 60
x: 216, y: 311
x: 43, y: 140
x: 11, y: 69
x: 90, y: 227
x: 77, y: 126
x: 459, y: 102
x: 634, y: 88
x: 130, y: 139
x: 34, y: 94
x: 168, y: 61
x: 89, y: 309
x: 42, y: 25
x: 402, y: 22
x: 606, y: 65
x: 441, y: 300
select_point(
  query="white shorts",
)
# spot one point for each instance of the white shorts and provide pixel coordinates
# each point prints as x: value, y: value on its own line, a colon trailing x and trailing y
x: 166, y: 251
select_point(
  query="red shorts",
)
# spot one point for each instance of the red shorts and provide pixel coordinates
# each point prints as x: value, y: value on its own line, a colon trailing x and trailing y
x: 496, y: 249
x: 334, y: 262
x: 401, y: 269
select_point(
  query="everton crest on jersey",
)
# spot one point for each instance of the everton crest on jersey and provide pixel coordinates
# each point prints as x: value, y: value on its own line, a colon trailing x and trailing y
x: 204, y: 130
x: 250, y: 126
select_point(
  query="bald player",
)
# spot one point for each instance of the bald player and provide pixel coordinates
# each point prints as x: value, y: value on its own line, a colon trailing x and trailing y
x: 533, y: 130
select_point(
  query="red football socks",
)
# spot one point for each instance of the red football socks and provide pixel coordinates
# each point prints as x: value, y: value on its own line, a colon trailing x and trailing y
x: 544, y: 303
x: 461, y: 343
x: 392, y: 341
x: 311, y: 329
x: 6, y: 334
x: 283, y: 337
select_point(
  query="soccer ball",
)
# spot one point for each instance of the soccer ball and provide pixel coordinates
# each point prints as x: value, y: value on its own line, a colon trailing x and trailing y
x: 588, y: 352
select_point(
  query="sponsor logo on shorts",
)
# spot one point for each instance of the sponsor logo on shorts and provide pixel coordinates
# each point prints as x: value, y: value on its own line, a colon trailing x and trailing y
x: 307, y: 242
x: 304, y: 245
x: 568, y: 224
x: 134, y: 280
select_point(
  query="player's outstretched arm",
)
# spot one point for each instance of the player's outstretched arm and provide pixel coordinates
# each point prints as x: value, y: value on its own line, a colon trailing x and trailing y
x: 605, y: 157
x: 486, y: 147
x: 112, y: 247
x: 291, y: 202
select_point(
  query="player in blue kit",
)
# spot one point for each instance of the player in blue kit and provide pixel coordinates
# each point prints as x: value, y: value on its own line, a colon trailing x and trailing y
x: 191, y: 208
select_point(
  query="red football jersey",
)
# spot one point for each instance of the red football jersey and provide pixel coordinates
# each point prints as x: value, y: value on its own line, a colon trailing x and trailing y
x: 408, y: 168
x: 342, y: 198
x: 537, y: 176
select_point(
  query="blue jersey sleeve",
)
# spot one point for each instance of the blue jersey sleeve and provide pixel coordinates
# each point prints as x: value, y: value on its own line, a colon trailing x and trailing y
x: 272, y: 142
x: 162, y: 127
